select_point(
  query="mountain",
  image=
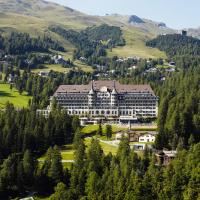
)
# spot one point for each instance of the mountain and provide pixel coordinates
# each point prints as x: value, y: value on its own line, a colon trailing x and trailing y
x: 135, y: 19
x: 35, y: 16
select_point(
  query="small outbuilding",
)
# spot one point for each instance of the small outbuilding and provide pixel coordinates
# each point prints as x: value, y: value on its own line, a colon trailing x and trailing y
x: 165, y: 157
x: 148, y: 137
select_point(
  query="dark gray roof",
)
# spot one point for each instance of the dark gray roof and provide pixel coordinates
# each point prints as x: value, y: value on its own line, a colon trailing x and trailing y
x: 97, y: 85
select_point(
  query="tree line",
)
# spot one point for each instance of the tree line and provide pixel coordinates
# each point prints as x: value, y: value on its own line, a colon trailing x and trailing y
x: 176, y: 44
x: 95, y: 175
x: 93, y: 41
x: 24, y: 129
x: 17, y: 43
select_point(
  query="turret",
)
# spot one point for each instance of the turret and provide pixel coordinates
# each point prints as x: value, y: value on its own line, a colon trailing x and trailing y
x: 114, y: 96
x: 91, y: 96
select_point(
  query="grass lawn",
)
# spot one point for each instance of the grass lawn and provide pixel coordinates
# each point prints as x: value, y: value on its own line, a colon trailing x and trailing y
x: 83, y: 66
x: 87, y: 130
x: 131, y: 143
x: 67, y: 151
x: 6, y: 95
x: 106, y: 147
x: 67, y: 155
x: 92, y: 128
x: 146, y: 128
x: 53, y: 67
x: 60, y: 68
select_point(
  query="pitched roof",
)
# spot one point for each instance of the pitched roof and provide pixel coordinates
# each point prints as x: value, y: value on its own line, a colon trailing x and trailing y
x: 97, y: 85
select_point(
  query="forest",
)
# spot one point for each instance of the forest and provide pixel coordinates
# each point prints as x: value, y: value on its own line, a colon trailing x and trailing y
x: 127, y: 175
x: 17, y: 43
x: 25, y: 136
x: 176, y: 44
x: 93, y: 41
x: 93, y: 174
x: 178, y: 120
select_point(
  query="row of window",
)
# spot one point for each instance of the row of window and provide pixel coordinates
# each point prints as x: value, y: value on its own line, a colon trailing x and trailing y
x: 106, y: 102
x: 108, y: 112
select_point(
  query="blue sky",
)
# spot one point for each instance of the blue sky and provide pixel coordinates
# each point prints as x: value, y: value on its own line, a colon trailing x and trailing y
x: 175, y: 13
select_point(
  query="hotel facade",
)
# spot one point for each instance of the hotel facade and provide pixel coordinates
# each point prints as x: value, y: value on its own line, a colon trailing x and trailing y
x: 107, y: 99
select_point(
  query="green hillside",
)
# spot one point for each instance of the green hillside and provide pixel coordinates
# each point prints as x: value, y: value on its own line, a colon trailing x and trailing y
x: 13, y: 96
x: 35, y: 16
x: 135, y: 45
x: 176, y: 45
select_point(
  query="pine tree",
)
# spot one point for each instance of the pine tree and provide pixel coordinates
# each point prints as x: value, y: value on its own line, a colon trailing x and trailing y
x: 92, y: 185
x: 124, y: 149
x: 99, y: 131
x: 28, y: 167
x: 75, y: 123
x: 108, y: 131
x: 78, y: 172
x: 61, y: 192
x: 56, y: 169
x: 94, y: 157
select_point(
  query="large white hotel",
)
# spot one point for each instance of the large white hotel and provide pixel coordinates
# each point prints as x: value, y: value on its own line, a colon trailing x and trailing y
x: 107, y: 100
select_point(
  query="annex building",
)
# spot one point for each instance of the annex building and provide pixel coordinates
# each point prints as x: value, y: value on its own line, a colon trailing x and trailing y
x: 107, y: 99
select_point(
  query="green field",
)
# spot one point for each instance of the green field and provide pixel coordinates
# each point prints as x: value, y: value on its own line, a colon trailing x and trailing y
x: 60, y: 68
x: 135, y: 46
x: 53, y: 67
x: 12, y: 96
x: 82, y: 66
x: 93, y: 128
x: 106, y: 147
x: 67, y: 151
x: 87, y: 130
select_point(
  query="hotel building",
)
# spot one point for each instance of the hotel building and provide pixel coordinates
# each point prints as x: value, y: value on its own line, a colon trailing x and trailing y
x: 107, y: 99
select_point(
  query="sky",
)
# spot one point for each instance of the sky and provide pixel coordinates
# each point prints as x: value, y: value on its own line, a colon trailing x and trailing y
x: 177, y: 14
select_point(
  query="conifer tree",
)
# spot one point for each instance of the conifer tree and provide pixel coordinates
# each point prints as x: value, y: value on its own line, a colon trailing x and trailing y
x: 60, y: 192
x: 28, y: 167
x: 108, y: 131
x: 56, y: 168
x: 99, y: 131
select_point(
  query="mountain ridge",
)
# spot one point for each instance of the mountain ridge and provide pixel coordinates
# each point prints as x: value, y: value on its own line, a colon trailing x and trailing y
x: 35, y: 16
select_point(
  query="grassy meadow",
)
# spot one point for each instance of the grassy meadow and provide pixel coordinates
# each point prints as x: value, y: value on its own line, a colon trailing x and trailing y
x: 53, y: 67
x: 135, y: 46
x: 59, y: 68
x: 12, y: 96
x: 87, y: 130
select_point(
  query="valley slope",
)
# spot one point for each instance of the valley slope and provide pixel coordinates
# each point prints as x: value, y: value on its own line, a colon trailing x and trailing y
x: 35, y: 16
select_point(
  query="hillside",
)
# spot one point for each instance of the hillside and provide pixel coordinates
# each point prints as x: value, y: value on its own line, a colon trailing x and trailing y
x: 35, y: 16
x: 49, y: 12
x: 176, y: 45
